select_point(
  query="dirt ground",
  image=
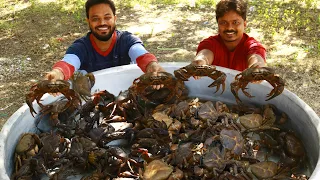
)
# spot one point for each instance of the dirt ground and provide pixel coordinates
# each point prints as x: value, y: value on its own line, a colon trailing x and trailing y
x: 33, y: 38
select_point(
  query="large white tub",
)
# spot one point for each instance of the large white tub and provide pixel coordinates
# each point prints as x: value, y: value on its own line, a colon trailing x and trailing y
x: 303, y: 119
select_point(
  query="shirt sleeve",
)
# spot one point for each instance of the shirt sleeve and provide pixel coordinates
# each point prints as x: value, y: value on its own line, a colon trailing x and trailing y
x: 254, y: 47
x: 72, y: 59
x: 208, y: 43
x: 137, y: 52
x: 65, y: 68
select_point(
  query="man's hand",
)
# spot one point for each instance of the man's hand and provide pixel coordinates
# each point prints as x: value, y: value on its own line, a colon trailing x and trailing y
x: 257, y: 65
x: 54, y: 75
x: 198, y: 62
x: 154, y: 67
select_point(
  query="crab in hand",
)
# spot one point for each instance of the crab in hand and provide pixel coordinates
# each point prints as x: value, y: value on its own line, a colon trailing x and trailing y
x: 186, y: 72
x: 141, y: 84
x: 82, y: 84
x: 50, y: 86
x: 257, y: 74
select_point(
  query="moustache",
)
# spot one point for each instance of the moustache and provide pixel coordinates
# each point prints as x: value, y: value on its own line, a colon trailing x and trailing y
x: 230, y: 31
x: 103, y: 26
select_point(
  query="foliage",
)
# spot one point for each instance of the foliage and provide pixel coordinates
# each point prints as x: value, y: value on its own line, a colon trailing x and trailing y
x: 296, y: 17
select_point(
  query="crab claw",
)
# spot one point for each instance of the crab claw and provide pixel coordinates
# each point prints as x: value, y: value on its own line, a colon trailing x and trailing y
x: 278, y: 88
x: 181, y: 74
x: 220, y: 81
x: 277, y: 91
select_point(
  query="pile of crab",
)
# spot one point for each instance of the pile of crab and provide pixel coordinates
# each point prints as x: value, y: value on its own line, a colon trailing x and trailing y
x: 144, y: 133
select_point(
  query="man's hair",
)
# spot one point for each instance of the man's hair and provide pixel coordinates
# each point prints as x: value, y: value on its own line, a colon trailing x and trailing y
x: 224, y: 6
x: 91, y: 3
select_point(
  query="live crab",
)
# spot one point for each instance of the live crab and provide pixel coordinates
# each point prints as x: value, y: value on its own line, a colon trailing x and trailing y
x: 210, y: 71
x: 50, y: 86
x: 254, y: 74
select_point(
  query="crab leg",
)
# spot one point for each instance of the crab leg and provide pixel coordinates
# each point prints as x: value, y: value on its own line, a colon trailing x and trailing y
x: 234, y: 89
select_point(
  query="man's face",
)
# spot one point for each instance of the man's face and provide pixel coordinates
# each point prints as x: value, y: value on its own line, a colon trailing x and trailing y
x: 231, y: 27
x: 102, y: 21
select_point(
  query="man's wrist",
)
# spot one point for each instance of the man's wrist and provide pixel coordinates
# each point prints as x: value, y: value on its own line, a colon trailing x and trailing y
x: 200, y: 62
x: 59, y: 74
x: 150, y: 65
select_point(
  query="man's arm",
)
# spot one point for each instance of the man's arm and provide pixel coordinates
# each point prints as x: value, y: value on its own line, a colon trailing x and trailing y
x: 63, y: 69
x: 255, y: 60
x: 204, y: 57
x: 145, y: 60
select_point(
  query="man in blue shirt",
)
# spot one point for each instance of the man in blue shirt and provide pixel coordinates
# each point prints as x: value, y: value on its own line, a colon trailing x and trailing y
x: 104, y: 46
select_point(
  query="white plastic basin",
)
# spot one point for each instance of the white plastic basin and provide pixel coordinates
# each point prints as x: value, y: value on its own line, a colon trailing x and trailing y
x: 303, y: 119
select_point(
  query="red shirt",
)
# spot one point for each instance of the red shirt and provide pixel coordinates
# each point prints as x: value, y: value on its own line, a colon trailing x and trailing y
x: 236, y: 59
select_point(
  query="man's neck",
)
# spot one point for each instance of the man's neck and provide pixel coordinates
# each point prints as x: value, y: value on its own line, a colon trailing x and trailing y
x: 103, y: 45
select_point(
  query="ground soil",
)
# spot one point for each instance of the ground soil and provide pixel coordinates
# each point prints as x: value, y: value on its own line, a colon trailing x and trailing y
x: 34, y: 38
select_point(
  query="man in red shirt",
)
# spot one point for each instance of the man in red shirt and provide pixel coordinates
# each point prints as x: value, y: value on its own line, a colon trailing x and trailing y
x: 231, y: 48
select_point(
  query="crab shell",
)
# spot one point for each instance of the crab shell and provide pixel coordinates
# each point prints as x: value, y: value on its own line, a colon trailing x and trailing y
x: 28, y: 144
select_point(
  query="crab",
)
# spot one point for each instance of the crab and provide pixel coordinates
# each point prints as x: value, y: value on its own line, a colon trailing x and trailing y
x: 54, y: 146
x: 64, y: 172
x: 82, y: 84
x: 123, y: 106
x: 232, y: 140
x: 208, y: 112
x: 292, y: 149
x: 140, y: 85
x: 154, y: 168
x: 254, y: 74
x: 118, y: 161
x: 157, y: 170
x: 154, y: 146
x: 83, y: 152
x: 55, y: 109
x: 235, y: 174
x: 31, y: 169
x: 27, y: 147
x: 253, y: 122
x: 214, y: 160
x: 186, y: 72
x: 50, y: 86
x: 269, y: 170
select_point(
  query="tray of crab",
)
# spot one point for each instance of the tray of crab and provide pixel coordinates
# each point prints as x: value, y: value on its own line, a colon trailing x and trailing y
x: 120, y: 137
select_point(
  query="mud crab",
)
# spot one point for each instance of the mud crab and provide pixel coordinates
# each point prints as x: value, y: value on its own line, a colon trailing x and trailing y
x: 257, y: 74
x: 119, y: 161
x: 56, y: 108
x: 232, y: 140
x: 54, y: 146
x: 49, y: 86
x: 27, y: 147
x: 154, y: 168
x: 186, y: 72
x: 82, y: 84
x: 157, y: 169
x: 269, y: 170
x: 291, y: 149
x: 254, y: 122
x: 140, y: 85
x: 31, y: 169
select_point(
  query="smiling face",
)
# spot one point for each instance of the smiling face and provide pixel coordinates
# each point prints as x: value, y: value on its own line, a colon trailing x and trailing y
x: 231, y: 27
x: 102, y: 21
